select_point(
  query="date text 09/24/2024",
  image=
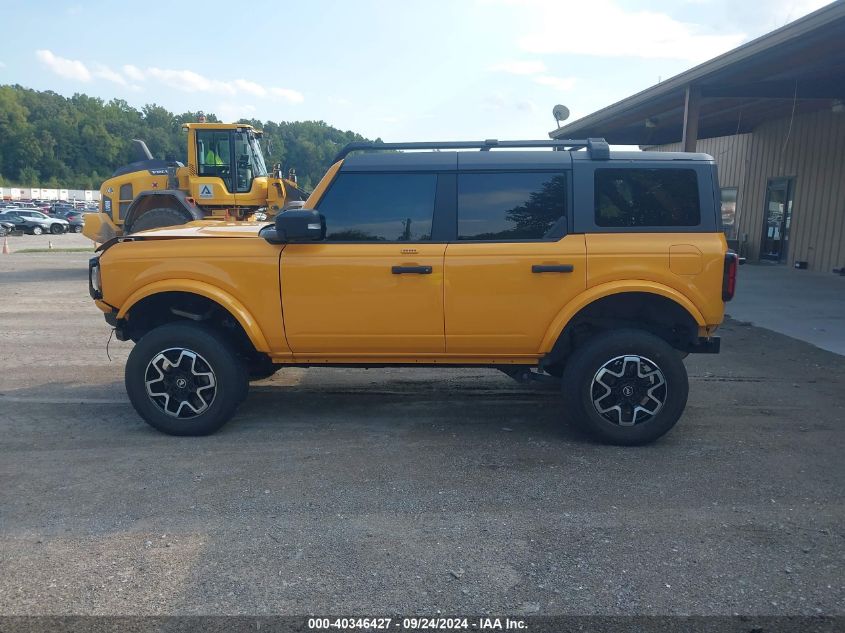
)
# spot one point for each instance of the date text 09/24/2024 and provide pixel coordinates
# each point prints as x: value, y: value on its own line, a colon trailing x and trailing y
x: 417, y: 624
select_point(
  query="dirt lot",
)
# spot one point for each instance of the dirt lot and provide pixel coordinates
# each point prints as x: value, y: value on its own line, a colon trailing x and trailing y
x: 407, y: 491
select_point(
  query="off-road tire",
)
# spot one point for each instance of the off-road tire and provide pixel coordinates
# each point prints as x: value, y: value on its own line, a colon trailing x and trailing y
x: 214, y: 352
x: 160, y: 217
x: 580, y: 386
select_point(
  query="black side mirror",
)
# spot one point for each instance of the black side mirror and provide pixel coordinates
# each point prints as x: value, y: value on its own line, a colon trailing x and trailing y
x: 297, y: 225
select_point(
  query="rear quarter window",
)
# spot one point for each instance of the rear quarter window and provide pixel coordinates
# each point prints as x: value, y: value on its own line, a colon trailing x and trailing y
x: 646, y: 198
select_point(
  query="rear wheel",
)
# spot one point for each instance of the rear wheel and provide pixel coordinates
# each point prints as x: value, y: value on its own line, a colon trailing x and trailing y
x: 77, y: 229
x: 160, y: 217
x: 36, y: 230
x: 185, y: 379
x: 625, y: 387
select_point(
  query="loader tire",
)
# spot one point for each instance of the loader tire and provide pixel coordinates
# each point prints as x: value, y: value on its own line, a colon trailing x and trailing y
x: 160, y: 217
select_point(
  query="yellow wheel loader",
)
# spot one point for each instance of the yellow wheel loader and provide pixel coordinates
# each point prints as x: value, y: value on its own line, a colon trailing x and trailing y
x: 225, y: 179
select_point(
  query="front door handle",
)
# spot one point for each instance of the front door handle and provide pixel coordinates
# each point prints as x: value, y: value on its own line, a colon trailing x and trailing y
x: 411, y: 270
x: 556, y: 268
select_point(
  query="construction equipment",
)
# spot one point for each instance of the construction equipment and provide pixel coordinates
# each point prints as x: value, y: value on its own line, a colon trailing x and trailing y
x: 226, y: 179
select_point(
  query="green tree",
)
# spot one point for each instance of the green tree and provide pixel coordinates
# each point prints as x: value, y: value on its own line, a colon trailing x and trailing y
x: 77, y: 141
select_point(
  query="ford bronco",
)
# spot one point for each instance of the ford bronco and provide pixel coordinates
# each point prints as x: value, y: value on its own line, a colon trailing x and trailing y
x: 604, y: 269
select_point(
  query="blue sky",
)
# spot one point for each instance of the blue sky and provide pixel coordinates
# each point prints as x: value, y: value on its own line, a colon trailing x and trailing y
x: 399, y: 70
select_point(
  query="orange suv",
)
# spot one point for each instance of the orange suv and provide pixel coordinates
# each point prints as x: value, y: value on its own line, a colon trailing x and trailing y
x: 604, y: 269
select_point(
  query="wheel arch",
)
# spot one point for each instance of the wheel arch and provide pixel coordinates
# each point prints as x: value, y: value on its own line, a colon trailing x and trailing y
x: 220, y: 298
x: 621, y: 301
x: 170, y: 198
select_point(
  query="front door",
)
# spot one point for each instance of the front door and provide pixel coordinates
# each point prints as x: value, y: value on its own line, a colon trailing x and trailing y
x: 777, y: 218
x: 375, y: 285
x: 512, y: 268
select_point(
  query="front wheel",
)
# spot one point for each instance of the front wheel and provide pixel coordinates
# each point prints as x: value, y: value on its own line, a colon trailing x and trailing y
x: 77, y: 229
x: 185, y: 379
x: 626, y: 387
x: 55, y: 229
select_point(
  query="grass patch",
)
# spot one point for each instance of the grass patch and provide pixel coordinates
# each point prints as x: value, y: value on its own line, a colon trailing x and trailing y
x: 55, y: 250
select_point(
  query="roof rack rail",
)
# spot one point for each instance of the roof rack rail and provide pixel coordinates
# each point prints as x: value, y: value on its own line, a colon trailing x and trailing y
x: 596, y: 147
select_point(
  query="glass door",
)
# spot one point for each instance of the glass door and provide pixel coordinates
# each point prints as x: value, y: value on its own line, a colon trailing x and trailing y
x: 776, y: 220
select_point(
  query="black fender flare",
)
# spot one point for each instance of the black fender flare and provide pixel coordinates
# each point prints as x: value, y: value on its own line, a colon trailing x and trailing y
x: 156, y: 198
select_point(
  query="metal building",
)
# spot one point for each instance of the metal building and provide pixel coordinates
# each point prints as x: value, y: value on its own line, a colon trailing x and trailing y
x: 772, y: 114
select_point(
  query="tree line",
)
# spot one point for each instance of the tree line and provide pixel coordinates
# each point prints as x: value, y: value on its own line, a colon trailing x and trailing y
x: 76, y: 142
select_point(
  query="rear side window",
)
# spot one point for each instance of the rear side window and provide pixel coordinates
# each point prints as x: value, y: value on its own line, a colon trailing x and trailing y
x: 511, y: 206
x: 647, y: 197
x: 379, y: 207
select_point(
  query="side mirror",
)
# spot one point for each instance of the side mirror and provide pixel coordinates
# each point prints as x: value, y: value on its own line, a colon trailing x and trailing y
x: 297, y: 225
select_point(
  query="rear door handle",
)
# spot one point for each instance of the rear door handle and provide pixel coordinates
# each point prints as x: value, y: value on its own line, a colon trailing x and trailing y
x: 411, y: 270
x: 556, y: 268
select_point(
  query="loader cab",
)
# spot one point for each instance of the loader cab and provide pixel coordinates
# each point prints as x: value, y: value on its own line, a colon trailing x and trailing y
x: 226, y: 163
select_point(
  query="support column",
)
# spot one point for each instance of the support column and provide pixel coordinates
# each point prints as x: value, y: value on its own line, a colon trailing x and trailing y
x: 692, y: 108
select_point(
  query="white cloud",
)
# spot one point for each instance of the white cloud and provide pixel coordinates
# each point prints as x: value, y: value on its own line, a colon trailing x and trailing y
x: 189, y: 81
x: 67, y: 68
x: 133, y: 72
x: 178, y: 79
x: 104, y: 72
x: 501, y: 102
x: 525, y: 67
x: 560, y: 28
x: 242, y: 85
x: 289, y: 95
x: 525, y: 106
x: 558, y: 83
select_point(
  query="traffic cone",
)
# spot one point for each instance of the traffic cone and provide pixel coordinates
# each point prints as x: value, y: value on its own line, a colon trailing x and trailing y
x: 50, y: 245
x: 6, y: 249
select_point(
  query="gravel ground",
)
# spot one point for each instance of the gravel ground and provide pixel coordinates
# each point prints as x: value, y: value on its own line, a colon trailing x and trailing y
x: 384, y: 491
x: 63, y: 240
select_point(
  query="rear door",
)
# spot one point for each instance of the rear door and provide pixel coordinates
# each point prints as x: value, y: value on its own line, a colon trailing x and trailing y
x: 513, y: 266
x: 375, y: 285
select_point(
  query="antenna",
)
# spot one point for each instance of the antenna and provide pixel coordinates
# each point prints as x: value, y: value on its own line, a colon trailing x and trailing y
x: 560, y: 113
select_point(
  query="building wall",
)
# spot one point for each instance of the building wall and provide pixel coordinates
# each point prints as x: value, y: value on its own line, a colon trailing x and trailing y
x: 811, y: 151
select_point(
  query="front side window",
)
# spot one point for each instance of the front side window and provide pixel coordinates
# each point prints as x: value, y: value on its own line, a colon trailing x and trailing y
x: 213, y: 154
x: 511, y: 205
x: 379, y: 207
x: 647, y: 197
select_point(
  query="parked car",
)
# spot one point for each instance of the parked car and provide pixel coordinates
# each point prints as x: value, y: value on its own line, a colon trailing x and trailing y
x: 20, y: 223
x: 53, y: 225
x: 39, y: 222
x: 60, y: 206
x: 6, y: 227
x: 602, y: 268
x: 74, y: 218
